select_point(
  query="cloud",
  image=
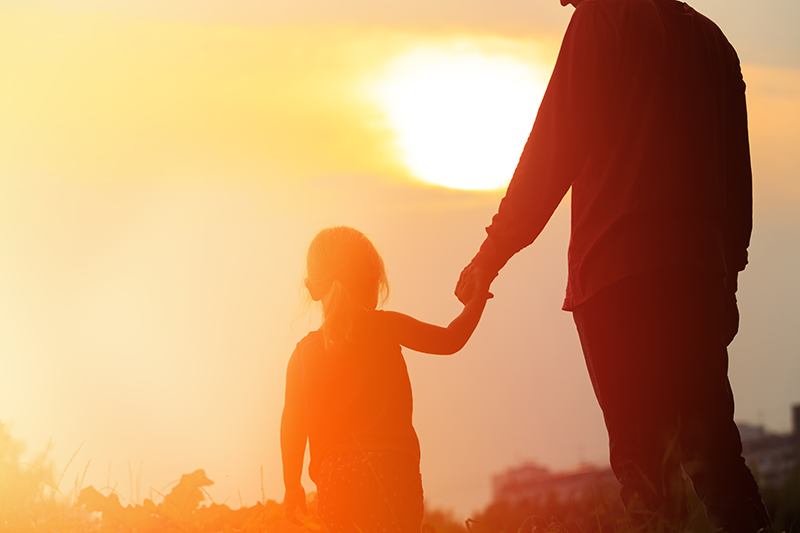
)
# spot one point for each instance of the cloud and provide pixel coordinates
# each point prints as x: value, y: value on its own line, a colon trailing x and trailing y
x: 108, y: 98
x: 94, y: 95
x: 516, y: 16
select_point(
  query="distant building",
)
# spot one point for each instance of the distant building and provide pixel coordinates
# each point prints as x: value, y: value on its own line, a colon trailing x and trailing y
x: 772, y: 456
x: 531, y: 482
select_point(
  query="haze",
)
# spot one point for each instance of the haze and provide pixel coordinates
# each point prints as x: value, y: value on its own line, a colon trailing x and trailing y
x: 164, y: 164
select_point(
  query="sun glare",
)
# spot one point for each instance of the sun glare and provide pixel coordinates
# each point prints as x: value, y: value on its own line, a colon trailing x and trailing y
x: 460, y: 118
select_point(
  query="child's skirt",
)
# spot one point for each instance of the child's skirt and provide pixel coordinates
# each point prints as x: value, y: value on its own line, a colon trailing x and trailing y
x: 370, y: 492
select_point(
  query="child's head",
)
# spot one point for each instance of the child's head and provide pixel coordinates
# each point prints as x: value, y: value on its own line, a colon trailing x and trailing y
x: 346, y: 274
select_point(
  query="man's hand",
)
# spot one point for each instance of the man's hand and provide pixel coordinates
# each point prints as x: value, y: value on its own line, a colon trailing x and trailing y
x: 294, y: 499
x: 473, y: 281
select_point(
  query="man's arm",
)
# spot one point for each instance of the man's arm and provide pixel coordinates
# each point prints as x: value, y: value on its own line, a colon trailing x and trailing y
x: 558, y: 145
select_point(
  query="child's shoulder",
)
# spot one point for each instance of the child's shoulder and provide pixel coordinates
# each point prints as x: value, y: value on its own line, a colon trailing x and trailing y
x: 385, y: 323
x: 389, y: 319
x: 380, y: 319
x: 385, y: 316
x: 312, y: 340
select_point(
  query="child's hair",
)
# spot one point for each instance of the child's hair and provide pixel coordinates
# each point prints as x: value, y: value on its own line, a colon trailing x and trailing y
x: 345, y: 272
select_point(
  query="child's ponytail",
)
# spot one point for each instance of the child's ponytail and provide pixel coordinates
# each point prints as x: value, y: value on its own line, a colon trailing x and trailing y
x: 338, y: 313
x: 346, y: 274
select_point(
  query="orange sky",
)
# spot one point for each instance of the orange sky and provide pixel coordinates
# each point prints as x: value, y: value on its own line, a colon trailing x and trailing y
x: 161, y: 172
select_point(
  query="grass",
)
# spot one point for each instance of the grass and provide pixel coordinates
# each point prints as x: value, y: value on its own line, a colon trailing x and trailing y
x: 581, y: 515
x: 32, y: 501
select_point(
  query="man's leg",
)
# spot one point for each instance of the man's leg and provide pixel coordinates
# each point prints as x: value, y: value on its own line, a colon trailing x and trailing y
x: 659, y: 380
x: 710, y: 443
x: 633, y: 375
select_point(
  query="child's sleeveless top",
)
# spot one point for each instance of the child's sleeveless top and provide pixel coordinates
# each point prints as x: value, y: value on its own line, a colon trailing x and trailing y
x: 357, y: 397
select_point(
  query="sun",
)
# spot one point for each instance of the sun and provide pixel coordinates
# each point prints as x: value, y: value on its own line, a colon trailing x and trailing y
x: 460, y: 118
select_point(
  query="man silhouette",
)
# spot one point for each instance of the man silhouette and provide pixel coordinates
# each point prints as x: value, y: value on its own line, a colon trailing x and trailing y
x: 645, y: 119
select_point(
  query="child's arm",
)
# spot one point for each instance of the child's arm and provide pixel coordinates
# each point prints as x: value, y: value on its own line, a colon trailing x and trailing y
x: 294, y: 435
x: 428, y: 338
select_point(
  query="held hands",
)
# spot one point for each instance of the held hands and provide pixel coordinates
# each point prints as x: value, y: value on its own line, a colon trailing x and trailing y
x: 294, y: 499
x: 473, y: 283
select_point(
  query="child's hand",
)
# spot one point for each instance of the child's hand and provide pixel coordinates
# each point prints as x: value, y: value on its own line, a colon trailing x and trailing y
x: 294, y: 499
x: 473, y: 283
x: 481, y: 283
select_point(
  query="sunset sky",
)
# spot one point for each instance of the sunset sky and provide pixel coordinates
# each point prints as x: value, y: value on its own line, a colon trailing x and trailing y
x: 165, y: 163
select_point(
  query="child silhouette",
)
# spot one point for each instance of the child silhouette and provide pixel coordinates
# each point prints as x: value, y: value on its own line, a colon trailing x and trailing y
x: 348, y: 392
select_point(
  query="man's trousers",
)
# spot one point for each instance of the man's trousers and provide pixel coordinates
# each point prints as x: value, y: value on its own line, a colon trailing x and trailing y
x: 653, y: 347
